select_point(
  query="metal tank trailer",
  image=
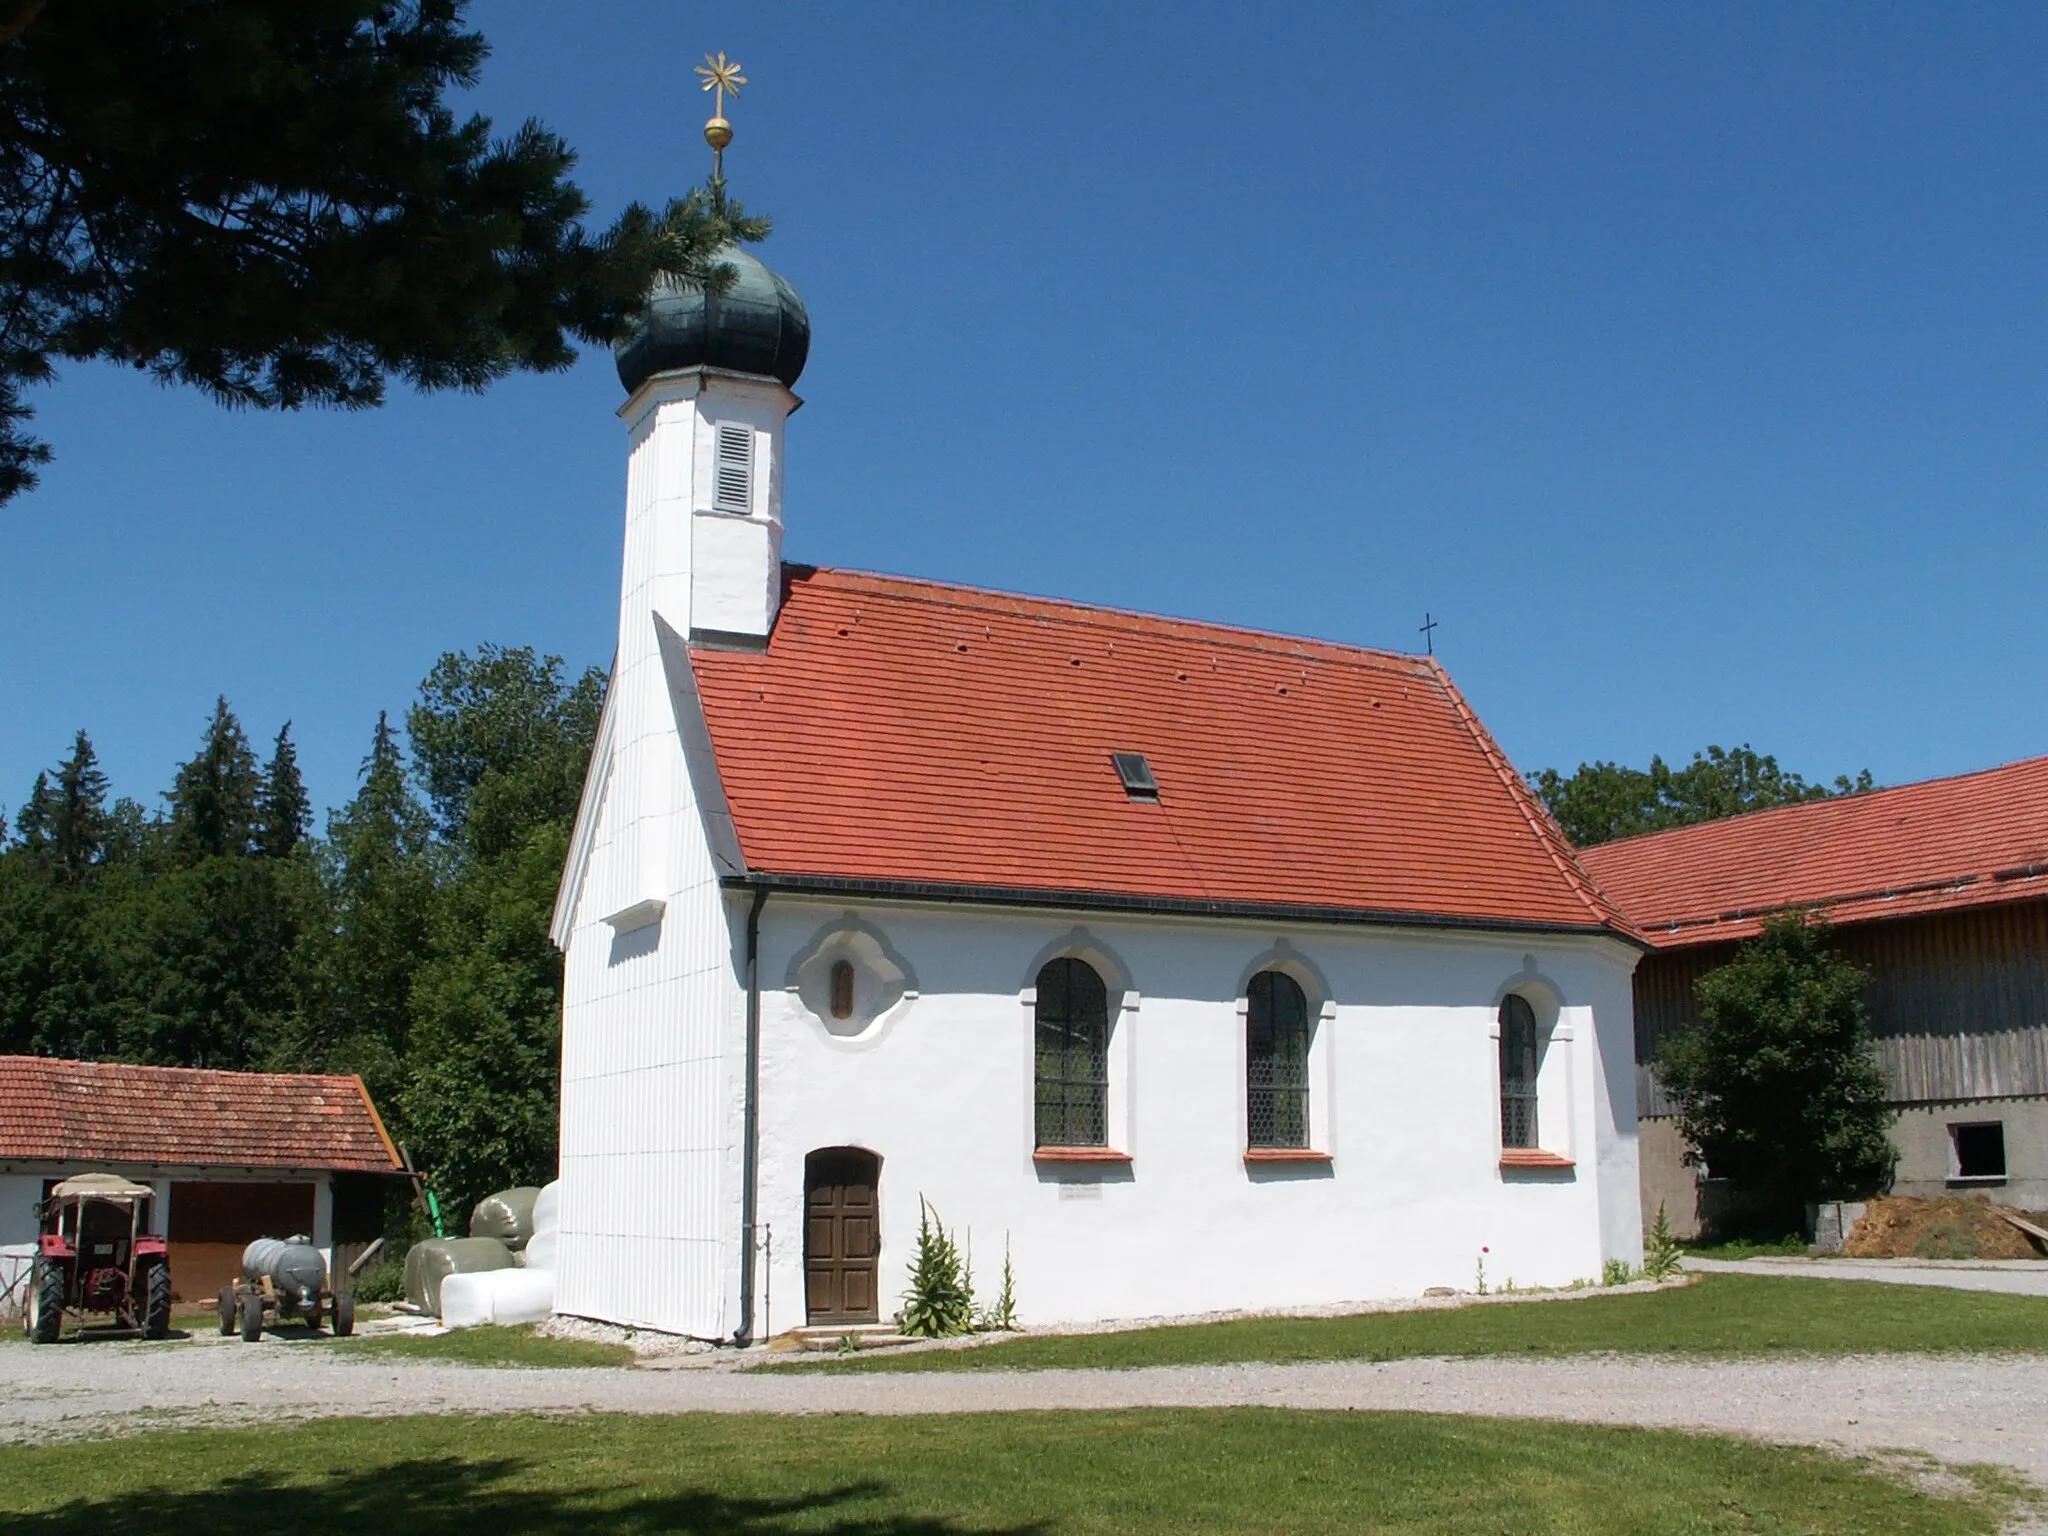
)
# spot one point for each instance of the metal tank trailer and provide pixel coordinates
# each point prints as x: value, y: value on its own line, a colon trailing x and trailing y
x: 283, y: 1280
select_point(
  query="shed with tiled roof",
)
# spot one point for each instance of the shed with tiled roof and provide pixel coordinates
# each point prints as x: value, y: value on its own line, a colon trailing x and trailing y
x: 232, y: 1155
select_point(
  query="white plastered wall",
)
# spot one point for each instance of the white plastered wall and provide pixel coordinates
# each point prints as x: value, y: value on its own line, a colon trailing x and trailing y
x: 20, y: 1195
x: 651, y: 1000
x: 1404, y: 1065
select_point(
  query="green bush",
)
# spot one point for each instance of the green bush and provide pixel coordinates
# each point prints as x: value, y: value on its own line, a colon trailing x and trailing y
x: 1660, y: 1249
x: 940, y: 1301
x: 381, y: 1281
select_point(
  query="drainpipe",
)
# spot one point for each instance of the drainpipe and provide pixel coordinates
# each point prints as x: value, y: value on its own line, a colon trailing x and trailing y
x: 750, y: 1134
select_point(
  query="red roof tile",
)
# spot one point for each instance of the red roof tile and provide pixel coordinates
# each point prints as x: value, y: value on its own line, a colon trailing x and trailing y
x: 1969, y: 841
x: 109, y: 1112
x: 905, y: 731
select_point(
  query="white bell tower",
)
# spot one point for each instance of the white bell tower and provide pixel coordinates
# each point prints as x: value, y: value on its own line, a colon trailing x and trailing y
x: 703, y: 507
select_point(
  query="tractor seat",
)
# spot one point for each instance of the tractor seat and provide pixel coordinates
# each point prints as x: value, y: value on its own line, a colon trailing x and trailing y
x: 103, y: 1236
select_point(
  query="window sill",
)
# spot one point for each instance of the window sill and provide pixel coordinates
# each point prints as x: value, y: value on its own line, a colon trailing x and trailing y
x: 1977, y: 1178
x: 1533, y: 1157
x: 1079, y: 1155
x: 1284, y: 1155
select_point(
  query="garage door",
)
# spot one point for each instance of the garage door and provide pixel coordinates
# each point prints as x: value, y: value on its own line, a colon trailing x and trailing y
x: 212, y: 1222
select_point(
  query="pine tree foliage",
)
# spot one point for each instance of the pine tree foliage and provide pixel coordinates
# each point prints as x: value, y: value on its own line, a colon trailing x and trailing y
x: 78, y: 812
x: 275, y: 201
x: 408, y: 941
x: 282, y: 811
x: 356, y: 976
x: 1605, y: 801
x: 1777, y: 1087
x: 35, y: 823
x: 213, y: 799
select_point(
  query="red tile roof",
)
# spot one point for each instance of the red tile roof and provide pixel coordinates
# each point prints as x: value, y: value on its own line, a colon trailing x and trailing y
x: 908, y: 732
x: 85, y: 1112
x: 1970, y: 841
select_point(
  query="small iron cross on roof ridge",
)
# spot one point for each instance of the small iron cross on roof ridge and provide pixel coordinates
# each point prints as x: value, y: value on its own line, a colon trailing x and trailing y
x: 1428, y: 634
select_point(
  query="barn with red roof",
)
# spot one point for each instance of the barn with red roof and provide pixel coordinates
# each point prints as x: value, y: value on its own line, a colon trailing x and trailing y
x: 1188, y: 967
x: 232, y: 1156
x: 1940, y: 891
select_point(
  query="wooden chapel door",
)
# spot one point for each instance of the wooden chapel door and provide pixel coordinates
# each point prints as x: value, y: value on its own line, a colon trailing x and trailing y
x: 842, y: 1236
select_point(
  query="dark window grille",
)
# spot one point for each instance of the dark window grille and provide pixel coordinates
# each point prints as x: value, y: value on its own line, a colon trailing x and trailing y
x: 842, y: 989
x: 1276, y: 1062
x: 1073, y: 1056
x: 1517, y: 1072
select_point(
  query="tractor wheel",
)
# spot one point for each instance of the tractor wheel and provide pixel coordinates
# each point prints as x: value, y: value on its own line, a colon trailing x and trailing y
x: 156, y: 1311
x: 252, y: 1318
x: 344, y: 1315
x: 46, y: 1303
x: 227, y: 1310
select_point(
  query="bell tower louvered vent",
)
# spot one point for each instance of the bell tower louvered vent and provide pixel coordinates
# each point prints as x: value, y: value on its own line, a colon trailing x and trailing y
x: 733, y: 475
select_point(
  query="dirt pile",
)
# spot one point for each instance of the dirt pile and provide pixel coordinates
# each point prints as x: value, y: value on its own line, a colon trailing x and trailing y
x: 1949, y: 1227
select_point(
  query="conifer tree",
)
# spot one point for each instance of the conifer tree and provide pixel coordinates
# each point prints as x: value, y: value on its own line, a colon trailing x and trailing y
x: 213, y: 800
x: 34, y: 827
x: 286, y: 204
x: 381, y: 887
x: 282, y: 811
x: 78, y: 812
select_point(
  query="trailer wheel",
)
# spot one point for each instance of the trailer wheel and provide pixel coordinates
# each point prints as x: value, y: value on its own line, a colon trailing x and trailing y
x: 227, y: 1310
x: 252, y: 1318
x: 156, y: 1312
x: 344, y: 1315
x: 46, y: 1303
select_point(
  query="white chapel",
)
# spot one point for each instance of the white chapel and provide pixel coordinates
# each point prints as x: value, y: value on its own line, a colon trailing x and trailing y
x: 1196, y: 968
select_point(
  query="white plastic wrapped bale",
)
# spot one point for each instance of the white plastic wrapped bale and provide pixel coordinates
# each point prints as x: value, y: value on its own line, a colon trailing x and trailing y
x: 507, y: 1296
x: 501, y: 1296
x: 540, y: 1250
x: 547, y: 1215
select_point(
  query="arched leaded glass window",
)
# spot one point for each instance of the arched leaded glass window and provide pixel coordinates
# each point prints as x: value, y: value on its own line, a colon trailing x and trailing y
x: 1276, y: 1062
x: 1517, y: 1072
x: 1073, y: 1056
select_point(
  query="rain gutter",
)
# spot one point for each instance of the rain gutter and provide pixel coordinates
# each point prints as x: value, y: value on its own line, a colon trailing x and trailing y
x: 1165, y: 906
x: 750, y: 1136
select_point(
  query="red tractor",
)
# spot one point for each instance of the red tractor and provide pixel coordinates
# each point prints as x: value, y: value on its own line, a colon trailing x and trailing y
x: 97, y: 1254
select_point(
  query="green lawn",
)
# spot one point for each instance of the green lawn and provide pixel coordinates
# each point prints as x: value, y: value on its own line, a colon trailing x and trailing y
x: 1717, y: 1314
x: 490, y: 1346
x: 1185, y: 1473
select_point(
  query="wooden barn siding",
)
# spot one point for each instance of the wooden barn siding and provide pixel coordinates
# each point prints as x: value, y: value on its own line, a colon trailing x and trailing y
x: 1958, y: 1003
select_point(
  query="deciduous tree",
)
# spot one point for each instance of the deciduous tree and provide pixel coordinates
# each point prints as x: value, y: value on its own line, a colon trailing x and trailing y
x: 1604, y: 801
x: 1777, y: 1088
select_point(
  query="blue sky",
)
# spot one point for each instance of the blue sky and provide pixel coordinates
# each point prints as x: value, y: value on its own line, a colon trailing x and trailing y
x: 1688, y: 364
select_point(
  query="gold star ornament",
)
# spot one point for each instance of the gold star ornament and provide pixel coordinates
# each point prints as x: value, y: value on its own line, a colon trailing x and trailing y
x: 720, y: 75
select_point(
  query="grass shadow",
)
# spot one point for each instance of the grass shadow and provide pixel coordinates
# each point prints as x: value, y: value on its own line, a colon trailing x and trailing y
x: 452, y: 1496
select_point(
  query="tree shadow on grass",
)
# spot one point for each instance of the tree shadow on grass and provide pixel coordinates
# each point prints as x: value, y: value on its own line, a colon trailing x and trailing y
x: 447, y: 1496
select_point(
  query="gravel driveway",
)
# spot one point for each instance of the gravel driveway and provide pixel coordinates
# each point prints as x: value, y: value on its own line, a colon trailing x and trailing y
x: 1959, y: 1409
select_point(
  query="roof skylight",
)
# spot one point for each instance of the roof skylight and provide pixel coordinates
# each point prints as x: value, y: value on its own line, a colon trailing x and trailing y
x: 1136, y: 775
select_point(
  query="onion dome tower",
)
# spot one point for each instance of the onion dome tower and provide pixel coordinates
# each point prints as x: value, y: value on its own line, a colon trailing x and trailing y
x: 757, y: 325
x: 708, y: 379
x: 708, y: 374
